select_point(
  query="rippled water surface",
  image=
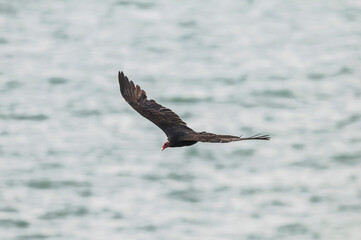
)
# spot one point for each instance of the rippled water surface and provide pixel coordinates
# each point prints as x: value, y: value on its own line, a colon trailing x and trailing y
x: 76, y: 162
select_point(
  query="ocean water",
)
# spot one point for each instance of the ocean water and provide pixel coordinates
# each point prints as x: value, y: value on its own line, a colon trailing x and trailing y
x: 76, y: 162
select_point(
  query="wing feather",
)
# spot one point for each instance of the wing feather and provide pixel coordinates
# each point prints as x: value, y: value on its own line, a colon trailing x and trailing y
x: 161, y: 116
x: 218, y: 138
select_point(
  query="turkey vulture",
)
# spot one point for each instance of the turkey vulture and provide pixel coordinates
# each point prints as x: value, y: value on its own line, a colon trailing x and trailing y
x: 178, y: 133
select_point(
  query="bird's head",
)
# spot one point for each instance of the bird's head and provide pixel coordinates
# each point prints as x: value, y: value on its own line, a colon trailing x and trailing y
x: 165, y: 145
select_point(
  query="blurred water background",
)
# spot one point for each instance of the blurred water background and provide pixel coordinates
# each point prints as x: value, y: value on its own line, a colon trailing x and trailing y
x: 76, y: 162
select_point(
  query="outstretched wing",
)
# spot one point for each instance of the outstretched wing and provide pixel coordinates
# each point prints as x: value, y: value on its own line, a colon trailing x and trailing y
x: 163, y: 117
x: 217, y: 138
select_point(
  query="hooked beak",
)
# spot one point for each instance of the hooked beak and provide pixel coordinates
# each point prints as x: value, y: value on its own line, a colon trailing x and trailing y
x: 165, y: 145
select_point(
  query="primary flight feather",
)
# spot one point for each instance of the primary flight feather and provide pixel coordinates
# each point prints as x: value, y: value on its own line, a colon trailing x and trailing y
x: 177, y: 131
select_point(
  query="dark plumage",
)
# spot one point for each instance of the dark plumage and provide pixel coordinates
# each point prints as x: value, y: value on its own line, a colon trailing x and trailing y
x: 178, y: 133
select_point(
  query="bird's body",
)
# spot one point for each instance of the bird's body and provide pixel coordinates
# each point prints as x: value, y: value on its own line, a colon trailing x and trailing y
x: 177, y: 131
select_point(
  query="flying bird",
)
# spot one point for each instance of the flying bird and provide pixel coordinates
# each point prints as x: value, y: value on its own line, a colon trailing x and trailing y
x: 177, y: 131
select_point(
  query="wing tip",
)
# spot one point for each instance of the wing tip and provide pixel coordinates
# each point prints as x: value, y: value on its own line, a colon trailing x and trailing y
x: 256, y: 137
x: 266, y: 137
x: 120, y: 75
x: 121, y: 80
x: 260, y: 137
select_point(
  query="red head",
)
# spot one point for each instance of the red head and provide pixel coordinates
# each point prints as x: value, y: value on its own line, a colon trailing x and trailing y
x: 165, y: 145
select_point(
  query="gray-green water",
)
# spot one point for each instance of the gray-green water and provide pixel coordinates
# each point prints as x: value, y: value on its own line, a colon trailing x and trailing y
x: 76, y: 162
